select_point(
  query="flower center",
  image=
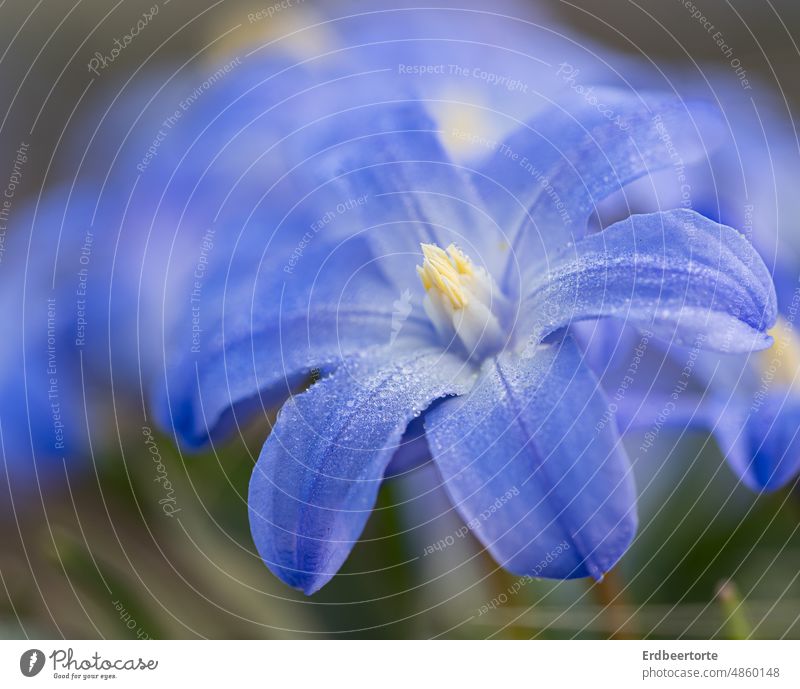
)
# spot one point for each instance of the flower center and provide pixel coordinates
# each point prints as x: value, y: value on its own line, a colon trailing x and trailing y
x: 462, y: 301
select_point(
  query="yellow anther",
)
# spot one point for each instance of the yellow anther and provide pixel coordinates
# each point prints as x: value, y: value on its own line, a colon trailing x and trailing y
x: 782, y: 361
x: 423, y: 275
x: 445, y: 271
x: 460, y: 260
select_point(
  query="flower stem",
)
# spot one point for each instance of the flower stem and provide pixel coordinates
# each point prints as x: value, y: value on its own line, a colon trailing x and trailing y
x: 735, y: 623
x: 610, y: 594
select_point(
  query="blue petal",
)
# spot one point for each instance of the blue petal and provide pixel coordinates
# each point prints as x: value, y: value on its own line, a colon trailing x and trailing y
x: 762, y: 445
x: 421, y: 195
x: 548, y: 177
x: 746, y: 402
x: 677, y: 274
x: 318, y: 475
x: 546, y: 493
x: 760, y: 442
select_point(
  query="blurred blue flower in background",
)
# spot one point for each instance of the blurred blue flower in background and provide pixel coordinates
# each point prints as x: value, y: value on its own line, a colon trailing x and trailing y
x: 510, y: 408
x: 241, y: 163
x: 45, y: 385
x: 750, y: 403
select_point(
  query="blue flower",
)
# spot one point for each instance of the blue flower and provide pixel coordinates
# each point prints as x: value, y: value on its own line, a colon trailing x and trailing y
x: 494, y: 263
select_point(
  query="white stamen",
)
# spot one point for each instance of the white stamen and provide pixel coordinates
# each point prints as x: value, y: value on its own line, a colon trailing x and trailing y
x: 459, y: 300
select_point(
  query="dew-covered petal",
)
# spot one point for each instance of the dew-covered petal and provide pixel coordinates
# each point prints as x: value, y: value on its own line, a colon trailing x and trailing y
x: 546, y: 492
x: 318, y: 475
x: 545, y: 181
x: 677, y: 274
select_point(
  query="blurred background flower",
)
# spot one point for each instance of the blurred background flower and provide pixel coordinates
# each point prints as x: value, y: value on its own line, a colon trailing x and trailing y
x: 182, y: 143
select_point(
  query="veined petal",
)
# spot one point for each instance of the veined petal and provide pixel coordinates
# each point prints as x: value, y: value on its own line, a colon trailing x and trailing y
x: 269, y: 331
x: 318, y: 475
x: 546, y: 179
x: 681, y: 276
x: 545, y: 492
x: 421, y: 196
